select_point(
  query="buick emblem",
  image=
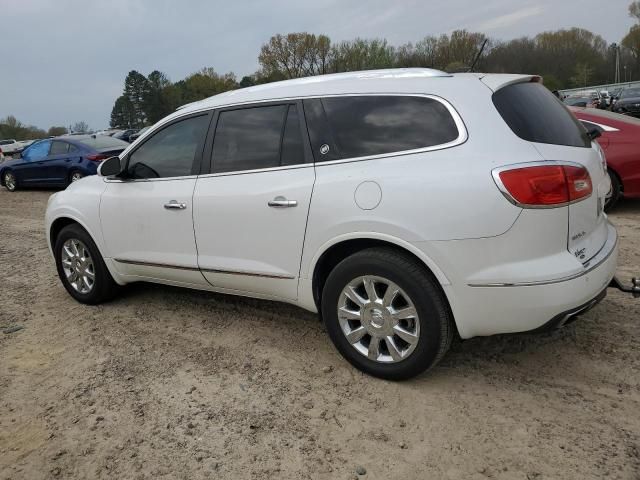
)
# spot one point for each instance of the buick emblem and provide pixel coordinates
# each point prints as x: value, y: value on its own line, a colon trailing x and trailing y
x: 324, y: 149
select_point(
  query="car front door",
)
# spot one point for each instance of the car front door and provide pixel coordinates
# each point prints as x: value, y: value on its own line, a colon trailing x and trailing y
x: 32, y: 168
x: 146, y: 214
x: 250, y: 210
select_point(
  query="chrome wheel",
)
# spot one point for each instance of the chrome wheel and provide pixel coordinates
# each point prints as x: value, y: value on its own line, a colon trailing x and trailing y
x: 78, y: 266
x: 378, y: 319
x: 10, y: 181
x: 75, y: 176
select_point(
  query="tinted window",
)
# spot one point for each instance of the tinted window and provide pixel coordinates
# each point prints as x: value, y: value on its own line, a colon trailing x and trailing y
x: 169, y: 152
x: 375, y: 125
x: 292, y: 148
x: 59, y: 148
x: 536, y: 115
x: 72, y: 148
x: 248, y: 139
x: 37, y: 151
x: 631, y: 92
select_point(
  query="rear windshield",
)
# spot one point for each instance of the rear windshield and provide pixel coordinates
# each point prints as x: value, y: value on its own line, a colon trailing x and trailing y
x: 536, y: 115
x: 102, y: 142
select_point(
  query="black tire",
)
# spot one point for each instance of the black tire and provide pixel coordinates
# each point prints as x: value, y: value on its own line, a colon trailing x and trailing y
x: 104, y: 287
x: 71, y: 176
x: 436, y: 322
x: 616, y: 192
x: 5, y: 177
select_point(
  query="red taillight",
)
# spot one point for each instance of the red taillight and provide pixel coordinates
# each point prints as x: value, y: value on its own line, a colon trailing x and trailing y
x: 96, y: 157
x: 547, y: 185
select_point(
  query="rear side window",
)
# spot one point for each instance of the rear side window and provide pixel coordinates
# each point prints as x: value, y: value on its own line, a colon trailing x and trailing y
x: 369, y: 125
x: 59, y: 148
x: 536, y: 115
x: 257, y: 137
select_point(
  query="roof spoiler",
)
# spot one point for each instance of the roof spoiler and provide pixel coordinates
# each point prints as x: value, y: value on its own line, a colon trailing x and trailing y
x: 497, y: 81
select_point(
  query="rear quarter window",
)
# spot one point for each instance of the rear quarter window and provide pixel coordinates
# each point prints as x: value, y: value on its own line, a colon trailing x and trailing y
x: 362, y: 126
x: 534, y: 114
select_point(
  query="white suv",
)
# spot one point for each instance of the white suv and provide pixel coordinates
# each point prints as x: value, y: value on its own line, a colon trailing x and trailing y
x: 403, y: 205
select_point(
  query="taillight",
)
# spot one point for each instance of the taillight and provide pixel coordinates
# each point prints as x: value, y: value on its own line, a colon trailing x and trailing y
x: 96, y: 157
x: 545, y: 185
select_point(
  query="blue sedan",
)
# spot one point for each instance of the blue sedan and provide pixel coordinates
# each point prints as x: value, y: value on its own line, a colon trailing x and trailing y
x: 58, y: 161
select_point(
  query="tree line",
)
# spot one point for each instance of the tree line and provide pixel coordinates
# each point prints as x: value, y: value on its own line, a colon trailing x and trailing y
x: 12, y: 128
x: 565, y: 58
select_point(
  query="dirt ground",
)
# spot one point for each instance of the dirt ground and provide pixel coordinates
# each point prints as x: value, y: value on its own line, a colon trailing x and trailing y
x: 171, y: 383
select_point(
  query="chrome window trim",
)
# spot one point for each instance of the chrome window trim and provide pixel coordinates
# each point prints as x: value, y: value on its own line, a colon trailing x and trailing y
x: 463, y: 134
x: 134, y: 180
x: 495, y: 173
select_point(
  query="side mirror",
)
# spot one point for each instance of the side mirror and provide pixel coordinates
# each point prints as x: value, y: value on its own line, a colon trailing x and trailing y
x: 110, y: 167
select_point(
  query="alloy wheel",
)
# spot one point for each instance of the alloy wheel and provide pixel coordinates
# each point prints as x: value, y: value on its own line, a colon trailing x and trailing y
x: 378, y: 319
x: 10, y: 181
x: 75, y: 176
x: 78, y: 266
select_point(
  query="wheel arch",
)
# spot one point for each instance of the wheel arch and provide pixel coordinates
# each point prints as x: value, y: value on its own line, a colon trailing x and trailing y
x: 334, y: 252
x: 615, y: 172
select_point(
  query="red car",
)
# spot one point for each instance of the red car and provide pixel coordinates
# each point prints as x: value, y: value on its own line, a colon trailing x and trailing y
x: 620, y: 140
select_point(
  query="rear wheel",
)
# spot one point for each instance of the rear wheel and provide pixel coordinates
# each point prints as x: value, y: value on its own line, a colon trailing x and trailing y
x: 81, y: 267
x: 615, y: 193
x: 386, y: 314
x: 9, y: 180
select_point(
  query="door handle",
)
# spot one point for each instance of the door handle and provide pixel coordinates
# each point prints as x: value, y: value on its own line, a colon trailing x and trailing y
x: 281, y: 202
x: 175, y: 205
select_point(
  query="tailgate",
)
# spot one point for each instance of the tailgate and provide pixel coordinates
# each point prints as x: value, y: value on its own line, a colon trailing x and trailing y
x: 587, y: 221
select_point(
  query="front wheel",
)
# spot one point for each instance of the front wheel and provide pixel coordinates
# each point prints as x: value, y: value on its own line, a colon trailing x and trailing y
x: 81, y: 267
x: 9, y: 180
x: 386, y: 314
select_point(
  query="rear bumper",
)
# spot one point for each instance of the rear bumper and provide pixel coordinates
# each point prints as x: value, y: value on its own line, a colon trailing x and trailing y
x: 526, y: 306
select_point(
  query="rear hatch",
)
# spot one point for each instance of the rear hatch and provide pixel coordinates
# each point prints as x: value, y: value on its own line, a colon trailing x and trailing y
x: 537, y: 116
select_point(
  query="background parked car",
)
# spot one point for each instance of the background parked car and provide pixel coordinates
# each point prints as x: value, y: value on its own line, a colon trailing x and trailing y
x: 125, y: 134
x: 629, y: 102
x: 584, y: 102
x: 620, y: 140
x: 10, y: 146
x: 134, y: 136
x: 59, y: 161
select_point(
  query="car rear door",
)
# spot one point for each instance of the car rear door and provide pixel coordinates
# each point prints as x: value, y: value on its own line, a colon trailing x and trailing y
x: 57, y: 163
x: 250, y: 210
x: 147, y: 214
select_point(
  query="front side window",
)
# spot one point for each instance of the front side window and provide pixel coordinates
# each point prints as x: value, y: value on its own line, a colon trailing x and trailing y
x: 257, y: 137
x: 59, y: 148
x: 369, y: 125
x: 169, y: 152
x: 37, y: 151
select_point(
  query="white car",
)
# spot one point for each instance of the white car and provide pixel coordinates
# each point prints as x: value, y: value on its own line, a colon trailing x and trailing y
x: 403, y: 205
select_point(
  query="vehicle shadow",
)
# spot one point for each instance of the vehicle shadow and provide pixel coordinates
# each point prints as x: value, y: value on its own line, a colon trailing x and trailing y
x: 626, y: 206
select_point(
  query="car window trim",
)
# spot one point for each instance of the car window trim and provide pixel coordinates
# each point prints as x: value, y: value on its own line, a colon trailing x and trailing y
x: 197, y: 158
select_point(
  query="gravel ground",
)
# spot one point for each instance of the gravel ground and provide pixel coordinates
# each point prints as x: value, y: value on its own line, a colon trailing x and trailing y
x: 172, y: 383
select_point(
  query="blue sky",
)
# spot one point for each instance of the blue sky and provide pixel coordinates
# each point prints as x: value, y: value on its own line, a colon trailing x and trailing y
x: 67, y: 59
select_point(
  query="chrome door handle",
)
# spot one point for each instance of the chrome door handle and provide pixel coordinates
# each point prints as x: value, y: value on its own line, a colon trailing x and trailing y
x: 175, y: 205
x: 281, y: 202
